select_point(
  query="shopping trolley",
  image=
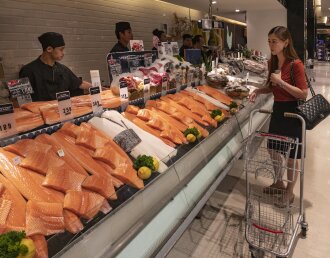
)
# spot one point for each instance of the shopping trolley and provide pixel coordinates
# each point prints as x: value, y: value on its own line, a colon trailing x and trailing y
x: 309, y: 68
x: 272, y: 222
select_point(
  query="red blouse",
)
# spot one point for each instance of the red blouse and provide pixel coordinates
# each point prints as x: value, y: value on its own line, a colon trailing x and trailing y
x: 299, y: 80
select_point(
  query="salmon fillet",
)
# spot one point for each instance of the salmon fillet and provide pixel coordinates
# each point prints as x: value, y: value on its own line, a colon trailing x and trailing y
x: 26, y: 120
x: 44, y: 218
x: 83, y: 203
x: 128, y: 175
x: 57, y: 148
x: 70, y: 129
x: 88, y: 137
x: 82, y: 157
x: 209, y: 106
x: 109, y: 100
x: 72, y: 222
x: 23, y: 147
x: 115, y: 181
x: 62, y: 179
x: 132, y: 109
x: 101, y: 185
x: 16, y: 215
x: 5, y: 207
x: 34, y: 107
x: 148, y: 129
x: 216, y: 94
x: 41, y: 246
x: 27, y: 182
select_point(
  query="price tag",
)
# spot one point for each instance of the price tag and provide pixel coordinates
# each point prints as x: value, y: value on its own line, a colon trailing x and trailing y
x: 60, y: 153
x: 7, y: 120
x: 17, y: 160
x: 164, y: 85
x: 24, y: 99
x: 96, y: 100
x: 123, y: 94
x: 19, y: 87
x: 146, y: 89
x: 178, y: 82
x: 64, y: 105
x: 190, y: 78
x: 95, y: 78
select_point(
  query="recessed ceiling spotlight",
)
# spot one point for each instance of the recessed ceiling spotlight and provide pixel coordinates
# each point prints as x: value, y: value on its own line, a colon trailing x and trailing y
x: 214, y: 2
x: 237, y: 10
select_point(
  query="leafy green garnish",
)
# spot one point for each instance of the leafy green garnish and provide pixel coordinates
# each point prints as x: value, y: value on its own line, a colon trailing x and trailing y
x: 233, y: 105
x: 216, y: 112
x: 193, y: 131
x: 10, y: 244
x: 144, y: 161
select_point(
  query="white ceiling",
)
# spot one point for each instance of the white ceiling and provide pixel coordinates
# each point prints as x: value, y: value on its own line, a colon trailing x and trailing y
x: 229, y: 5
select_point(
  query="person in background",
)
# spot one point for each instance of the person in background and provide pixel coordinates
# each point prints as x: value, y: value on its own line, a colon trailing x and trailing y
x: 47, y: 76
x: 187, y: 44
x: 4, y: 93
x: 287, y: 91
x: 198, y: 42
x: 124, y: 34
x: 159, y: 36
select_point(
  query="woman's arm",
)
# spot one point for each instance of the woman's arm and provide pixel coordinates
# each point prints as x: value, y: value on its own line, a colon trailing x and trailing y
x: 293, y: 90
x: 257, y: 92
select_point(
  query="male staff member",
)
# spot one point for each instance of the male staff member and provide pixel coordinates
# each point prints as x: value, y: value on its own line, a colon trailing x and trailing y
x: 47, y: 76
x: 187, y: 44
x: 124, y: 34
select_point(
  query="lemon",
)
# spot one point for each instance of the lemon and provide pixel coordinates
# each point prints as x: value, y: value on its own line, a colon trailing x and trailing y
x: 191, y: 138
x: 199, y: 134
x: 219, y: 118
x: 31, y: 248
x: 156, y: 163
x: 144, y: 172
x: 233, y: 110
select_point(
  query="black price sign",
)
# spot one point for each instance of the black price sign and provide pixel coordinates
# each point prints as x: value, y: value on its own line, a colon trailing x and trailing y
x: 19, y: 87
x: 164, y: 85
x: 146, y: 89
x: 7, y: 120
x: 64, y: 105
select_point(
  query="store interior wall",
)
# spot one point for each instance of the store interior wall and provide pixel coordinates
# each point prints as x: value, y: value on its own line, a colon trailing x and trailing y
x: 259, y: 23
x: 88, y: 28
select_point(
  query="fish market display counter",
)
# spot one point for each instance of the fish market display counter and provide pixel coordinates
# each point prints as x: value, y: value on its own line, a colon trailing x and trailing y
x: 149, y: 222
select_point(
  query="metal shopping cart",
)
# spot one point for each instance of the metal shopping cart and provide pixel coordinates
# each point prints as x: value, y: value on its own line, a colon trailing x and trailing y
x: 272, y: 222
x: 309, y: 67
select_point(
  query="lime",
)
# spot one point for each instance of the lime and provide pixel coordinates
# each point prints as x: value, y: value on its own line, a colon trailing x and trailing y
x: 30, y: 246
x: 191, y: 138
x: 156, y: 163
x: 144, y: 172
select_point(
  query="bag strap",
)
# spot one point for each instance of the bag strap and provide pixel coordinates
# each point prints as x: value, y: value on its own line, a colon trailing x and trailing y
x: 307, y: 80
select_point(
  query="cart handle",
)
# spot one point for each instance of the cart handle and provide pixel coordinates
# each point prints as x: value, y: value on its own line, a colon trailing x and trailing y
x: 267, y: 229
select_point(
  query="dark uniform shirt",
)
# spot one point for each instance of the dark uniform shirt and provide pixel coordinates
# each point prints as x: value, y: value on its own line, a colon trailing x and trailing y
x: 119, y: 48
x: 181, y: 51
x: 47, y: 80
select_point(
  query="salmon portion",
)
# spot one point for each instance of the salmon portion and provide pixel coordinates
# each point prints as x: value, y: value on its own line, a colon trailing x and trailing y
x: 2, y: 188
x: 108, y: 156
x: 63, y: 179
x: 72, y: 222
x: 5, y: 207
x: 128, y: 175
x: 26, y: 120
x: 208, y: 105
x: 41, y: 246
x: 70, y: 129
x: 101, y: 185
x: 83, y: 203
x: 86, y: 138
x: 25, y: 146
x: 82, y: 157
x: 57, y: 148
x: 27, y: 182
x: 44, y: 218
x: 109, y: 100
x: 115, y: 181
x: 216, y: 94
x: 37, y: 161
x: 132, y: 109
x: 34, y: 107
x: 148, y: 129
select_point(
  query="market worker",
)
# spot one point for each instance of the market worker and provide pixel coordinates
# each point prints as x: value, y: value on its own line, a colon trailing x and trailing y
x: 124, y: 34
x: 198, y: 42
x: 47, y: 76
x: 187, y: 44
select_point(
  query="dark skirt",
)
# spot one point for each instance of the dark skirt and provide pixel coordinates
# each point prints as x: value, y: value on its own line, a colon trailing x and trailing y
x: 280, y: 125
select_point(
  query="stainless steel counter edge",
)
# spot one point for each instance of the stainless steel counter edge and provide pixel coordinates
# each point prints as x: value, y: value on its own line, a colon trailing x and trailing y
x: 115, y: 231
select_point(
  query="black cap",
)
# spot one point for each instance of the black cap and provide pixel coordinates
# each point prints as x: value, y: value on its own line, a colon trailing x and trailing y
x: 51, y: 39
x: 187, y: 36
x: 122, y: 26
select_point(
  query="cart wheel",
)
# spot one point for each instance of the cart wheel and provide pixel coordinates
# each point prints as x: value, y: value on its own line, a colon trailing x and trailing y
x: 304, y: 232
x: 256, y: 253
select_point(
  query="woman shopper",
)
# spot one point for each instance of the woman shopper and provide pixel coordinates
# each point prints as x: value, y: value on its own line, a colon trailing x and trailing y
x: 284, y: 64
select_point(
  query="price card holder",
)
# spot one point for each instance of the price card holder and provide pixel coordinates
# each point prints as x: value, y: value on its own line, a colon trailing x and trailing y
x: 146, y: 89
x: 7, y: 121
x: 95, y: 78
x: 164, y: 85
x: 123, y: 95
x: 96, y: 101
x: 24, y: 99
x: 178, y: 82
x: 19, y: 87
x: 64, y: 105
x: 190, y: 77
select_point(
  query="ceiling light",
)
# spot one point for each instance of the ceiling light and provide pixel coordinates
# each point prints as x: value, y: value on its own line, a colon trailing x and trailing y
x: 237, y: 10
x: 214, y: 2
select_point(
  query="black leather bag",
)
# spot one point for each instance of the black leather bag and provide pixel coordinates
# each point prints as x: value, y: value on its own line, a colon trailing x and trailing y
x: 314, y: 110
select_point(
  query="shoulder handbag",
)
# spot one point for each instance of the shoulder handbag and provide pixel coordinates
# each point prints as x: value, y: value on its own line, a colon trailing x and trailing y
x: 313, y: 110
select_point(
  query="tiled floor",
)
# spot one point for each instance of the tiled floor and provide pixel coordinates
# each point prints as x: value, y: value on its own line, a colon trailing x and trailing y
x: 220, y: 231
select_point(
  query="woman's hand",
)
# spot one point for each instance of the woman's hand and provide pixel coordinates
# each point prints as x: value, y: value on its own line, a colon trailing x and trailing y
x: 253, y: 96
x: 276, y: 79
